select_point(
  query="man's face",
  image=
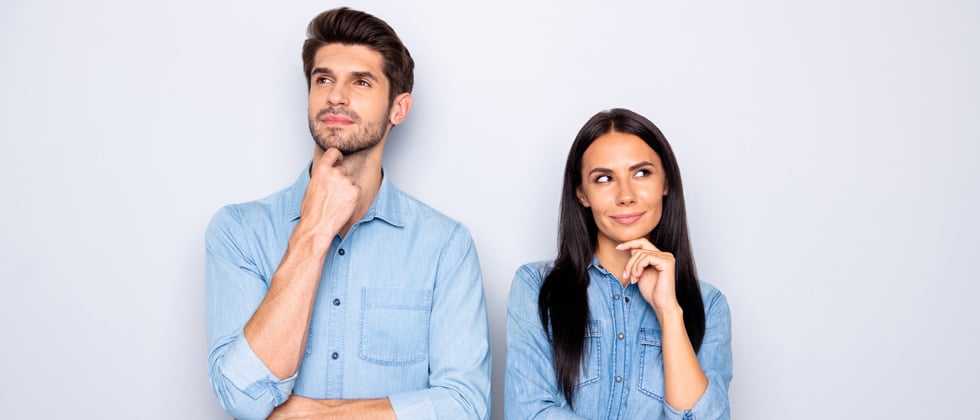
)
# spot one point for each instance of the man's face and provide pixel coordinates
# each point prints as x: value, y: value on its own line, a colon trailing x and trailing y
x: 349, y: 107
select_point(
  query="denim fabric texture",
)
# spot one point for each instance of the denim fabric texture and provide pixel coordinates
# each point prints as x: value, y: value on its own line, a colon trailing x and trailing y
x: 399, y: 313
x: 622, y: 376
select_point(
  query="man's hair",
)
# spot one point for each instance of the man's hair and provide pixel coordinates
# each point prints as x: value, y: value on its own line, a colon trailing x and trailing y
x: 353, y: 27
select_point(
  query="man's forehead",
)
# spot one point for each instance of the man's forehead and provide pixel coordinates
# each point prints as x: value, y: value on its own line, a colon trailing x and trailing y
x: 341, y: 57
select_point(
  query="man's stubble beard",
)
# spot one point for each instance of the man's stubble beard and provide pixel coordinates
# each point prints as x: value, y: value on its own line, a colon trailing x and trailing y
x: 367, y: 137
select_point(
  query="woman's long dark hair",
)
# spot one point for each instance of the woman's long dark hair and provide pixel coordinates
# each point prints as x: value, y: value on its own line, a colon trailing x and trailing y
x: 563, y: 303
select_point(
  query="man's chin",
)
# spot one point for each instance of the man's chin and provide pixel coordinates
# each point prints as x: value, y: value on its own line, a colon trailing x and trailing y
x: 346, y: 150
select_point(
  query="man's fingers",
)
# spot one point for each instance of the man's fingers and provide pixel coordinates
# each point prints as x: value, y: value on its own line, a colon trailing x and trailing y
x: 332, y: 157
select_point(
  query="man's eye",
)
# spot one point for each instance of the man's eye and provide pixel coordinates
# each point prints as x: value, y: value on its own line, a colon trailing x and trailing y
x: 322, y: 80
x: 362, y: 83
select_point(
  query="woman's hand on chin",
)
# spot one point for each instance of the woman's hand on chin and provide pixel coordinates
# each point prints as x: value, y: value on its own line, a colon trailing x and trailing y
x: 652, y: 270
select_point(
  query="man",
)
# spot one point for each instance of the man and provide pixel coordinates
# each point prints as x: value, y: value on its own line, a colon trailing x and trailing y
x: 342, y: 296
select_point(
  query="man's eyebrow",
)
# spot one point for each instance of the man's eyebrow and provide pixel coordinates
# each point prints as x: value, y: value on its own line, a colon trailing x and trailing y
x: 365, y: 75
x: 355, y: 74
x: 319, y: 70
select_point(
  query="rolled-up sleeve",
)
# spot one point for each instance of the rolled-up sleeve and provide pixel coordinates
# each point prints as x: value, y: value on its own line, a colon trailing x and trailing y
x: 715, y: 357
x: 530, y: 387
x: 459, y: 341
x: 243, y: 384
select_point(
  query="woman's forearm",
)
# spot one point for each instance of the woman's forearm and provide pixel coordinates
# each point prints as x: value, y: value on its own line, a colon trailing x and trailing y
x: 684, y: 381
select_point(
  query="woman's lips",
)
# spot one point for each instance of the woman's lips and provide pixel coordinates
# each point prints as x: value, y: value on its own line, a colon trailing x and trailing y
x: 627, y: 219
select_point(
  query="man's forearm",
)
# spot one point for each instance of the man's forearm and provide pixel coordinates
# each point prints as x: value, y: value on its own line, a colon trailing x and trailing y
x: 278, y: 329
x: 297, y: 407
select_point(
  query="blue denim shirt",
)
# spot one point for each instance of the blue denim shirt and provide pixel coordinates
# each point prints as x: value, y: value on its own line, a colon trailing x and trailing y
x: 399, y: 312
x: 622, y: 376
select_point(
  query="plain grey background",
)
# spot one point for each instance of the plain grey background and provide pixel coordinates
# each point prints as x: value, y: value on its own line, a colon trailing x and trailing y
x: 827, y: 149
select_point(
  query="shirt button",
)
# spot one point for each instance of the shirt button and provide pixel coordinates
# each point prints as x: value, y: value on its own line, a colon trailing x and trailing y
x: 336, y: 302
x: 341, y: 251
x: 618, y: 378
x: 616, y: 296
x: 621, y: 336
x: 334, y: 356
x: 626, y: 299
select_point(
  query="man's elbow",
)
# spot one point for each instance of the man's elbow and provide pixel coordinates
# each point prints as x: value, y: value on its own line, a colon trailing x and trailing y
x: 241, y: 406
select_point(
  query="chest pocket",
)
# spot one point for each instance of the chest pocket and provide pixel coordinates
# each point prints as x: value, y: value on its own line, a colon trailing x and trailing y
x: 395, y: 325
x: 651, y: 363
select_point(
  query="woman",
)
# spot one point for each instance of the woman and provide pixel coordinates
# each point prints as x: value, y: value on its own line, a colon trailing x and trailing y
x: 618, y: 326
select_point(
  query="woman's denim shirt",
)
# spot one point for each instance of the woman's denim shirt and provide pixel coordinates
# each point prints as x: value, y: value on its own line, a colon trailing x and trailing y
x: 622, y: 376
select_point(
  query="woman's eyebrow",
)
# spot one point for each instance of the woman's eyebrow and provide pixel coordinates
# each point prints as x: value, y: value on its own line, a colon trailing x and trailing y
x: 633, y: 167
x: 640, y: 165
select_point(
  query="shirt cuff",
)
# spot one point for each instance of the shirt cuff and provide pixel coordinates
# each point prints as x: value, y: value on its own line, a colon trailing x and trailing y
x: 413, y: 405
x: 243, y: 368
x: 712, y: 405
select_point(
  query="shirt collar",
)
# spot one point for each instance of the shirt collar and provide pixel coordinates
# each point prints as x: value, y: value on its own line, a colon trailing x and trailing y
x: 384, y: 207
x: 296, y: 193
x: 598, y: 266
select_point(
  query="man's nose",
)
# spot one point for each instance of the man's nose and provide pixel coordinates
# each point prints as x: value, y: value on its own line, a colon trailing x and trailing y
x: 337, y: 94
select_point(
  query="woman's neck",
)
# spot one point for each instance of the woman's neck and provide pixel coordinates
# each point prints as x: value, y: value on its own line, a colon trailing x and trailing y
x: 612, y: 259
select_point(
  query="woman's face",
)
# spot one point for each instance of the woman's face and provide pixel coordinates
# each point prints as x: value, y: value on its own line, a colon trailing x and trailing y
x: 624, y: 184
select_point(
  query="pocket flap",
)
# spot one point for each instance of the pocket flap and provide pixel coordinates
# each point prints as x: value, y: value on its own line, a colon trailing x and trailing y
x: 650, y: 337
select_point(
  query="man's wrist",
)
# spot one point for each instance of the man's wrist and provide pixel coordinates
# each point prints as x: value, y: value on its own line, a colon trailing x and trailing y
x: 312, y: 242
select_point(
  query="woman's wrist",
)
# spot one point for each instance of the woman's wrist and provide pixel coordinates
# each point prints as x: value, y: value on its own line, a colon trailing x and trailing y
x: 670, y: 313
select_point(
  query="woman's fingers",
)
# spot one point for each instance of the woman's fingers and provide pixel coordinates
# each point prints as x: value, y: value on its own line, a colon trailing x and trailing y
x: 639, y: 248
x: 638, y: 262
x: 641, y: 259
x: 640, y: 243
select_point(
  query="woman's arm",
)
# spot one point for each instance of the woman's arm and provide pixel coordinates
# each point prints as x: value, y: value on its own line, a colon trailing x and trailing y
x: 684, y: 381
x: 689, y: 386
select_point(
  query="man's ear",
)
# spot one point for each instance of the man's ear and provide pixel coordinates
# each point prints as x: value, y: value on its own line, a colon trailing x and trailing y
x: 399, y: 108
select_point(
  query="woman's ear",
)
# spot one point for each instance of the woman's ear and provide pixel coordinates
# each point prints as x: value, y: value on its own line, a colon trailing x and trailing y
x: 581, y: 197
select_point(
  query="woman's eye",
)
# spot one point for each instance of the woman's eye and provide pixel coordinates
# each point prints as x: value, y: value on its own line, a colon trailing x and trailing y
x: 642, y: 173
x: 602, y: 179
